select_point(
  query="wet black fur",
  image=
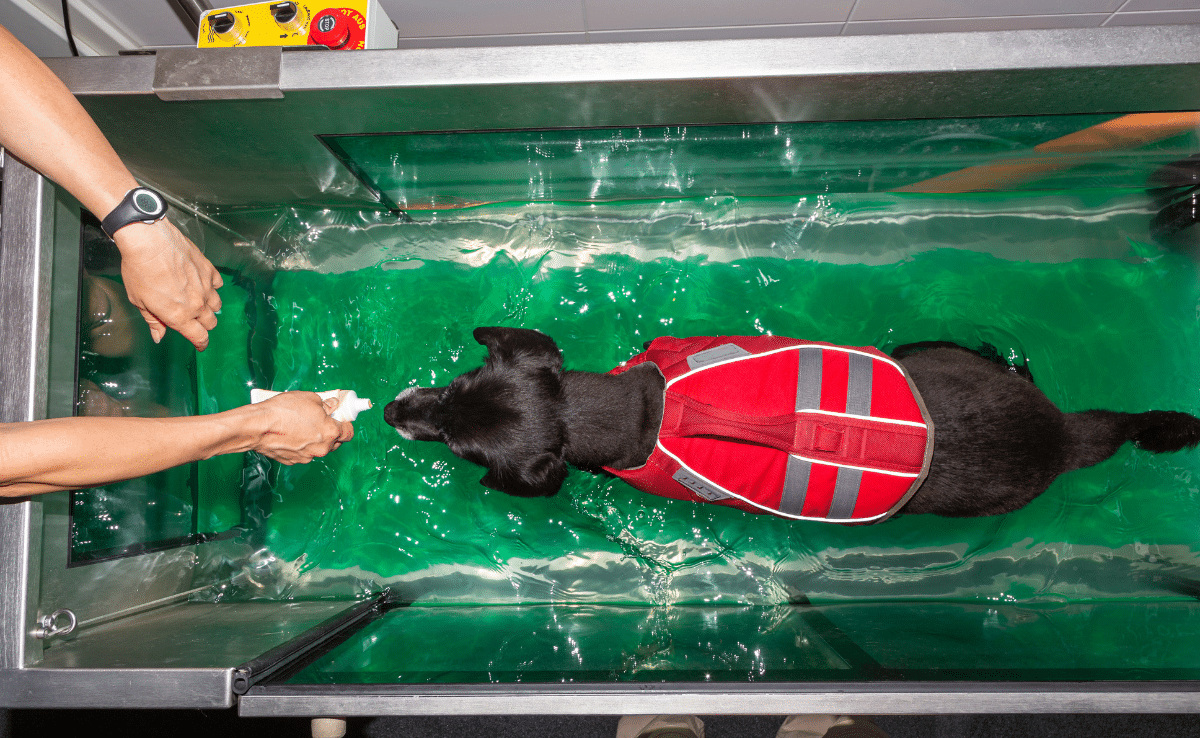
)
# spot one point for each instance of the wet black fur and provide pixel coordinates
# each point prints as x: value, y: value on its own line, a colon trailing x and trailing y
x: 998, y: 441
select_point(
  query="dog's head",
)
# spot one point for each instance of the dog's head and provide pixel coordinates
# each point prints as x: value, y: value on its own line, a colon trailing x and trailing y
x: 505, y: 416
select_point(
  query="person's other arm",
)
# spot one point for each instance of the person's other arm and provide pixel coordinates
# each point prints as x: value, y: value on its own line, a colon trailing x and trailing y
x: 41, y: 122
x: 72, y: 453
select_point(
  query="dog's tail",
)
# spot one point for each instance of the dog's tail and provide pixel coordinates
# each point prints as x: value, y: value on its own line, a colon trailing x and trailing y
x: 1095, y: 435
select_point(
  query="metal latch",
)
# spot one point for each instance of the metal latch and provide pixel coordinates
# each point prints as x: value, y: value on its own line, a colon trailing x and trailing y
x: 240, y: 73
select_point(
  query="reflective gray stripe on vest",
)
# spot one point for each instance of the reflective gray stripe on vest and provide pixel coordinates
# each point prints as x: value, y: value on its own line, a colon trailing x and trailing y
x: 716, y: 354
x: 808, y: 379
x: 699, y: 486
x: 795, y: 486
x: 858, y: 385
x: 845, y: 493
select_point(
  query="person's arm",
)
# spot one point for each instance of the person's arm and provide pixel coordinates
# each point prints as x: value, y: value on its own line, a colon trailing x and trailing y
x: 72, y: 453
x: 41, y: 122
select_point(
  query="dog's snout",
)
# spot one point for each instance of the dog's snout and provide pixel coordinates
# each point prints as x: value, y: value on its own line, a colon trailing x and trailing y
x: 411, y: 413
x: 394, y: 412
x: 398, y: 414
x: 391, y: 412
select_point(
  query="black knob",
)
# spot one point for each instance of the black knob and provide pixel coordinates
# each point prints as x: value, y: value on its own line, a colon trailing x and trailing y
x: 284, y: 12
x: 222, y: 22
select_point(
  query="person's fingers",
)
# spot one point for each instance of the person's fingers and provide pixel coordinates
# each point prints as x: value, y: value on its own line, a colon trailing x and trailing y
x: 168, y: 277
x: 214, y: 301
x: 194, y: 332
x: 157, y: 329
x: 299, y: 437
x: 207, y: 319
x: 292, y: 458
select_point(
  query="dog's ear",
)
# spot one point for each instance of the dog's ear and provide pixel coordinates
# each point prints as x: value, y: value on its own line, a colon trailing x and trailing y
x: 538, y: 476
x: 511, y: 345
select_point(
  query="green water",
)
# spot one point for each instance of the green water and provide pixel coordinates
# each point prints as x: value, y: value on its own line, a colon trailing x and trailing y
x: 1105, y: 318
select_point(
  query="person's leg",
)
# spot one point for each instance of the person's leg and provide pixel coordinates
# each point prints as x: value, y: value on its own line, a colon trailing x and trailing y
x: 828, y: 726
x: 660, y: 726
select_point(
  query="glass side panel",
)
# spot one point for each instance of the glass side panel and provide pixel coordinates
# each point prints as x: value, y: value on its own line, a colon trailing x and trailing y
x: 856, y: 642
x: 578, y: 643
x: 1115, y: 640
x: 438, y: 170
x: 122, y: 372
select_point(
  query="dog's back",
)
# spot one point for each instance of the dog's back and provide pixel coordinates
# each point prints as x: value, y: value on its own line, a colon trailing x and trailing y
x: 999, y: 442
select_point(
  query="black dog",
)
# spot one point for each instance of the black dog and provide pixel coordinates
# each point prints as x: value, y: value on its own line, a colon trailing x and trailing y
x: 999, y: 442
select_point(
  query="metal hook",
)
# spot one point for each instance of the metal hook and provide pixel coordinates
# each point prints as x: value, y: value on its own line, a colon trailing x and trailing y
x: 48, y: 628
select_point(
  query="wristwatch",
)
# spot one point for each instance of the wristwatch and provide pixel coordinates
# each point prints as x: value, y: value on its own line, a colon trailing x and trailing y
x: 141, y: 204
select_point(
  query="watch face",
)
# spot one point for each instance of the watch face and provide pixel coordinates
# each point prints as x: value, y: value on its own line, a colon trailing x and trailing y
x: 148, y: 202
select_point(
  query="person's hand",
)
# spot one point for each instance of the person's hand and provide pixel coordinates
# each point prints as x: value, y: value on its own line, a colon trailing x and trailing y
x: 299, y: 428
x: 169, y: 281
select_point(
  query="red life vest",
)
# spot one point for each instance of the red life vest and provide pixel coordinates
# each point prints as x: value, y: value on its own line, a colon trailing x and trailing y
x: 799, y: 429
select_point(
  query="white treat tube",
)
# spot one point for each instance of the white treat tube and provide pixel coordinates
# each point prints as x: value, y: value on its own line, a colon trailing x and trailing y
x: 349, y: 403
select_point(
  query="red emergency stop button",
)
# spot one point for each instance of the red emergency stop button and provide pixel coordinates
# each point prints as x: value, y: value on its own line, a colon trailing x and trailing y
x: 330, y: 29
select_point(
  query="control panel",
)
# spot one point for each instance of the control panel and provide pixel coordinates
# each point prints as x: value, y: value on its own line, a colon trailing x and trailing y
x: 348, y: 25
